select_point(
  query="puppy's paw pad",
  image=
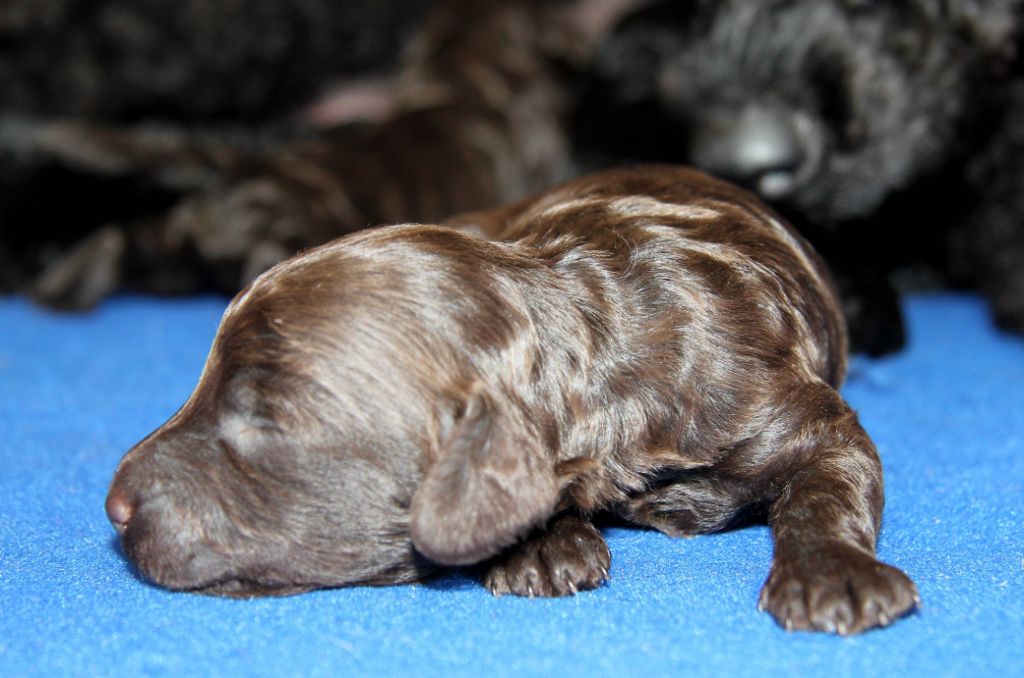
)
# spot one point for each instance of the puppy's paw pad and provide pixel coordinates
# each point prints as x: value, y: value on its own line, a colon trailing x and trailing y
x: 570, y: 556
x: 841, y: 591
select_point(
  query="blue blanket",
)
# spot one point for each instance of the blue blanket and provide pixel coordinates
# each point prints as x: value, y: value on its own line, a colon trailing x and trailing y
x: 76, y: 391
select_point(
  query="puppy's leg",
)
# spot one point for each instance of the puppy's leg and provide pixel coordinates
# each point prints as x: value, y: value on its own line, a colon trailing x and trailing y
x: 565, y: 557
x: 825, y: 521
x: 146, y: 255
x: 175, y: 158
x: 80, y: 279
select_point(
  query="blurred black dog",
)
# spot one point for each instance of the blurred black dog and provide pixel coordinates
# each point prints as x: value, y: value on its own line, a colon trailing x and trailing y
x: 890, y: 132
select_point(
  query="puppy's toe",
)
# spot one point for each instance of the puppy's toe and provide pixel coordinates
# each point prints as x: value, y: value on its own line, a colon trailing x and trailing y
x: 838, y: 590
x: 569, y: 556
x: 522, y: 573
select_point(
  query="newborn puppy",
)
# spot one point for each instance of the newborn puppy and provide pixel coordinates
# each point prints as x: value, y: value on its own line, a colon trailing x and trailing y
x: 650, y: 341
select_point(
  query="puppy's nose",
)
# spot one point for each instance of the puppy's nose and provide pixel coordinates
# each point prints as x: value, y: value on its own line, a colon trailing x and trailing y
x: 757, y: 147
x: 119, y: 509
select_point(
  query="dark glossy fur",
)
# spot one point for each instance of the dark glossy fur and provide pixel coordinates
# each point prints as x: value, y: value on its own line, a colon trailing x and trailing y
x: 651, y: 342
x: 888, y: 132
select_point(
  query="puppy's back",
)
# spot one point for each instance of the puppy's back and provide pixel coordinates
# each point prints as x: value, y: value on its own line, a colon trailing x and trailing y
x: 727, y: 251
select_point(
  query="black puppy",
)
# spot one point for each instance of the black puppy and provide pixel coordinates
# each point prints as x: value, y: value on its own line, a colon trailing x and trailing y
x: 863, y: 122
x: 651, y: 341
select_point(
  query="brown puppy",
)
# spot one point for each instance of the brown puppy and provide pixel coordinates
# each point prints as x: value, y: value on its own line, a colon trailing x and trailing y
x: 475, y: 117
x: 649, y: 341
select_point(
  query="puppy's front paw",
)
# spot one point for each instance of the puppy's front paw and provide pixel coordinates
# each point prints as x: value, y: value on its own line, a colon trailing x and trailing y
x: 568, y: 556
x: 87, y: 274
x: 838, y: 590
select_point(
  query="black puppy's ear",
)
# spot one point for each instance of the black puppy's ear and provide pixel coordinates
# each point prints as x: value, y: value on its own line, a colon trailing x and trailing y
x: 491, y: 484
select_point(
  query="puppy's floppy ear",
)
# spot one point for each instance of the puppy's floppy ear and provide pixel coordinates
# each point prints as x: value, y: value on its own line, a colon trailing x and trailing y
x: 492, y: 482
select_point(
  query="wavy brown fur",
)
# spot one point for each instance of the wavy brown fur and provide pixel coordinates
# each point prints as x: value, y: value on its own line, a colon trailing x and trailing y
x: 650, y: 341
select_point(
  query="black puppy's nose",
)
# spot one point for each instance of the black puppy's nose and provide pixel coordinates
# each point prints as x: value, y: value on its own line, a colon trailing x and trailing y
x: 757, y: 147
x: 119, y: 509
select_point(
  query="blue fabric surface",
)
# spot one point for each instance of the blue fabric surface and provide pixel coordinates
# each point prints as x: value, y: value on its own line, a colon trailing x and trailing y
x: 77, y: 391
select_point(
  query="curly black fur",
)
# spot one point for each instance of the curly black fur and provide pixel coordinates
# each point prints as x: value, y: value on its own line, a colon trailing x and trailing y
x: 193, y: 59
x: 864, y: 122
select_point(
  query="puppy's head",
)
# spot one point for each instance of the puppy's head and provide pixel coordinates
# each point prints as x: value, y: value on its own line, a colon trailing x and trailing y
x: 342, y: 427
x: 824, y: 108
